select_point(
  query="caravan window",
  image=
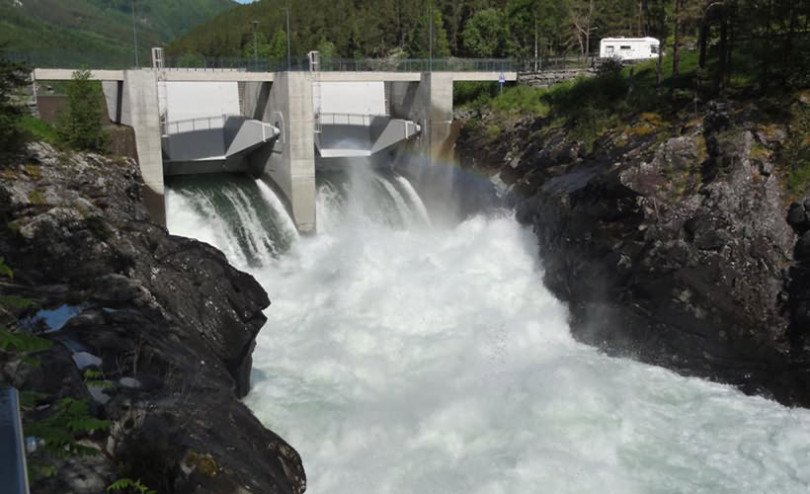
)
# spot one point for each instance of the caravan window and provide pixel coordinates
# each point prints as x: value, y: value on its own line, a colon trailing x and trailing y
x: 624, y: 47
x: 609, y: 50
x: 654, y: 49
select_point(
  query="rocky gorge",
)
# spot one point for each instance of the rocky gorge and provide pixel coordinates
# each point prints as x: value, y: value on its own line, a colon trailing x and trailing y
x: 153, y: 332
x: 676, y: 241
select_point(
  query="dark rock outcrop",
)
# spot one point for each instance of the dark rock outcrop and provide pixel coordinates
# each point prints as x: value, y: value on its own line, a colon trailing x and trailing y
x: 166, y: 319
x: 671, y: 243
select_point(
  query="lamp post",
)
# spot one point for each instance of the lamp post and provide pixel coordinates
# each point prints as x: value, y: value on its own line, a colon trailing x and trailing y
x: 287, y: 14
x: 430, y: 35
x: 134, y: 33
x: 255, y: 45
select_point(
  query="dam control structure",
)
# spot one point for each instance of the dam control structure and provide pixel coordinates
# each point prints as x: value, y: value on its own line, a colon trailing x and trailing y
x: 282, y: 125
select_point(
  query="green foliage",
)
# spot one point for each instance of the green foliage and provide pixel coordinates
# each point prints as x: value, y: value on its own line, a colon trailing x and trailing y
x: 98, y: 32
x: 22, y: 342
x: 68, y: 422
x: 39, y: 130
x: 796, y: 152
x: 80, y: 126
x: 522, y: 100
x: 5, y: 270
x: 423, y: 32
x: 486, y: 34
x: 16, y: 302
x: 473, y: 94
x: 327, y: 49
x: 12, y: 78
x: 277, y: 50
x: 129, y: 486
x: 95, y: 378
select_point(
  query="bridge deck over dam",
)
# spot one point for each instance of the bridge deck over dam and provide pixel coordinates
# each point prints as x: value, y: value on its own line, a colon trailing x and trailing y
x: 229, y: 75
x: 419, y: 108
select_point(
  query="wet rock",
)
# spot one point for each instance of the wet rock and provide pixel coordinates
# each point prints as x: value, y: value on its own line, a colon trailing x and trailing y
x: 803, y: 247
x: 166, y: 322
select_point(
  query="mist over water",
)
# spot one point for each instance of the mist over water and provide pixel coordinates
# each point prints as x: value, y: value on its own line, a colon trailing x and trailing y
x: 408, y: 355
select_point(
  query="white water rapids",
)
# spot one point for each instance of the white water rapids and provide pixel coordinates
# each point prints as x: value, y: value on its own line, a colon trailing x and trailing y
x: 401, y: 357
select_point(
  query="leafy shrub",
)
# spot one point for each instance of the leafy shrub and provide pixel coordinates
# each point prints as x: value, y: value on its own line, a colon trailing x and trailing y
x: 126, y: 486
x: 80, y: 126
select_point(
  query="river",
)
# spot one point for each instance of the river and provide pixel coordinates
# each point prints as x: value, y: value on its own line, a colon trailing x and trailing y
x: 408, y: 355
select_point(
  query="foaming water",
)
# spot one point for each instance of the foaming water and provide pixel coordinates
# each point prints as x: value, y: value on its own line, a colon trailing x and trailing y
x: 421, y: 359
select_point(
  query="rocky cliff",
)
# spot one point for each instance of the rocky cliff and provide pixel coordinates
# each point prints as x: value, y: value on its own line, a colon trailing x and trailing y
x: 164, y: 325
x: 673, y: 240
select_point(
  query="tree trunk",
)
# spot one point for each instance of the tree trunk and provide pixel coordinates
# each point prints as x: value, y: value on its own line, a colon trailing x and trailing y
x: 676, y: 42
x: 722, y: 56
x: 536, y: 52
x: 703, y: 41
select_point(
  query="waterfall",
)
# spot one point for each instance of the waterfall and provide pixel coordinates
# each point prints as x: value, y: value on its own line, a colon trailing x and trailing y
x: 405, y: 359
x: 241, y: 216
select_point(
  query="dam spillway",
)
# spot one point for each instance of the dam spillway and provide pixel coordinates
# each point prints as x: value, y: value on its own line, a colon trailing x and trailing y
x: 411, y: 349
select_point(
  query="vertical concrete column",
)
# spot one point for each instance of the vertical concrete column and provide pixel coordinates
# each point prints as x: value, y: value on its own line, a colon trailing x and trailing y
x: 437, y: 88
x: 429, y: 103
x: 134, y: 102
x: 290, y: 163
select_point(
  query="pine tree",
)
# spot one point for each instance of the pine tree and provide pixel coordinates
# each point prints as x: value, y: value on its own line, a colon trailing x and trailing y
x: 12, y: 78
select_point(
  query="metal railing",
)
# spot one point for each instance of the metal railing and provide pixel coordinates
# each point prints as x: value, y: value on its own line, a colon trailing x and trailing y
x: 13, y: 472
x: 359, y: 119
x: 347, y: 65
x: 193, y: 124
x: 193, y: 62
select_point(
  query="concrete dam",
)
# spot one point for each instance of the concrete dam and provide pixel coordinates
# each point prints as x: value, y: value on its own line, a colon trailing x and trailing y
x: 280, y: 126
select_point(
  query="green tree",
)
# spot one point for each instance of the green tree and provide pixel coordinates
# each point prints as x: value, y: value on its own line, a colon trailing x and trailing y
x: 326, y: 48
x: 486, y: 34
x: 277, y: 49
x: 424, y: 31
x: 80, y: 125
x: 12, y: 78
x: 538, y: 27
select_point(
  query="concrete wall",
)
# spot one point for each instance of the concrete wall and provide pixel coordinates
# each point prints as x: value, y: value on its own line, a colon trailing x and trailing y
x: 290, y: 162
x: 189, y: 100
x: 429, y: 103
x: 364, y: 98
x: 134, y: 102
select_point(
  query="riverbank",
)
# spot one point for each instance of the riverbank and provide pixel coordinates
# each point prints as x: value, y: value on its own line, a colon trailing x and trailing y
x: 676, y: 238
x: 149, y: 339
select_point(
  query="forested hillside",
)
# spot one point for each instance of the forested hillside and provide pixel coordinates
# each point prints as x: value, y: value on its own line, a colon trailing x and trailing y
x: 499, y: 28
x: 72, y: 32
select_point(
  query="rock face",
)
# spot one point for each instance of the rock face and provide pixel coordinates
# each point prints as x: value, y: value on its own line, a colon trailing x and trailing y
x: 671, y: 244
x: 166, y: 319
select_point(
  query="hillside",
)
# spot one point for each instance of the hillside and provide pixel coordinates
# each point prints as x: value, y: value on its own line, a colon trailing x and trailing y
x: 93, y: 32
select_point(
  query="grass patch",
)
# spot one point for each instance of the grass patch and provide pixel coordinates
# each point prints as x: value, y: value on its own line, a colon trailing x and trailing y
x: 39, y: 130
x: 522, y: 100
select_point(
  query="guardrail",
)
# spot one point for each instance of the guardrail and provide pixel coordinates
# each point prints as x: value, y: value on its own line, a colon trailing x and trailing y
x: 360, y: 119
x: 193, y: 62
x: 13, y: 472
x: 193, y: 124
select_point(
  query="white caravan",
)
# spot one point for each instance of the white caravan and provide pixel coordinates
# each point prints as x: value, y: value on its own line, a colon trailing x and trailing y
x: 629, y: 48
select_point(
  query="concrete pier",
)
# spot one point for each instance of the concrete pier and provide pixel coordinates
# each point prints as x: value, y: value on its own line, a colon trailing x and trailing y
x: 290, y: 162
x: 133, y: 101
x: 429, y: 103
